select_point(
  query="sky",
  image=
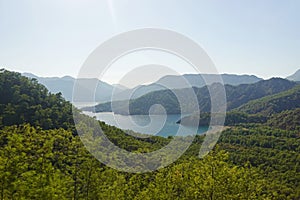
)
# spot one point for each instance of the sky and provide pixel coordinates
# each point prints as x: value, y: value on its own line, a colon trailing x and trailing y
x: 55, y: 37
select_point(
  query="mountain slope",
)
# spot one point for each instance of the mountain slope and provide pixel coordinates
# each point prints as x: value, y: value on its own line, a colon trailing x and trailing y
x: 276, y: 103
x: 287, y: 120
x: 198, y: 80
x: 236, y: 96
x: 239, y: 95
x: 104, y: 91
x: 54, y: 164
x: 295, y: 76
x: 65, y: 86
x: 24, y: 100
x: 185, y: 81
x: 232, y: 118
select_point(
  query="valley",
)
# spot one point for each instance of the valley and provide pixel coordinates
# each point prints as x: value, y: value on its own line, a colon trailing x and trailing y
x: 43, y: 157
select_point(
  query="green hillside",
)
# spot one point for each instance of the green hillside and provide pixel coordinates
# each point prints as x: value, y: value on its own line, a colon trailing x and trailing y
x: 288, y: 120
x: 277, y: 103
x: 43, y: 160
x: 24, y: 100
x: 280, y: 110
x: 236, y: 96
x: 231, y: 119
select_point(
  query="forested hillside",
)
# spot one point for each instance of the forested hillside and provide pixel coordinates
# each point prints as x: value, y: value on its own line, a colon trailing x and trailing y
x: 288, y: 119
x: 104, y: 90
x: 236, y: 96
x: 40, y: 160
x: 277, y: 103
x: 232, y: 118
x: 280, y: 110
x: 239, y: 95
x: 24, y: 100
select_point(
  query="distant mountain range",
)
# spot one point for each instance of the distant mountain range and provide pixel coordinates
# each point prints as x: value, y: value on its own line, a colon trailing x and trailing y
x: 274, y: 102
x: 104, y: 90
x: 236, y: 96
x: 197, y: 80
x: 65, y: 86
x: 185, y: 81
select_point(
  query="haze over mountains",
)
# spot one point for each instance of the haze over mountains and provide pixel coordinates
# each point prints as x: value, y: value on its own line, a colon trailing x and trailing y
x: 239, y: 88
x: 236, y: 96
x: 42, y: 155
x: 65, y: 86
x: 185, y: 81
x: 104, y: 90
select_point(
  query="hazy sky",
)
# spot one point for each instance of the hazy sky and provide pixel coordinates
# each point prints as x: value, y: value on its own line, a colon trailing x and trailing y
x: 54, y: 37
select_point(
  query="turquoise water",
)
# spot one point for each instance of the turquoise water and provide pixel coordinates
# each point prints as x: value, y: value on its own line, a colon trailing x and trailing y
x: 156, y: 125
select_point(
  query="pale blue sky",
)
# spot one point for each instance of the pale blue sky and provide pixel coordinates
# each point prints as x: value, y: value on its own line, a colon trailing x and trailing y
x: 54, y: 37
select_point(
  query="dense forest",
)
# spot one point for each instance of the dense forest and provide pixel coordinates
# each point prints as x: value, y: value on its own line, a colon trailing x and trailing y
x: 24, y: 100
x: 232, y: 118
x: 288, y: 119
x: 42, y: 156
x: 287, y: 100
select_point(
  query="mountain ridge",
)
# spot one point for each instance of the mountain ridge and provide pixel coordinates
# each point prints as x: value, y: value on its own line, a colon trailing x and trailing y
x: 276, y: 103
x: 65, y: 85
x: 295, y: 76
x: 236, y: 96
x: 104, y: 92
